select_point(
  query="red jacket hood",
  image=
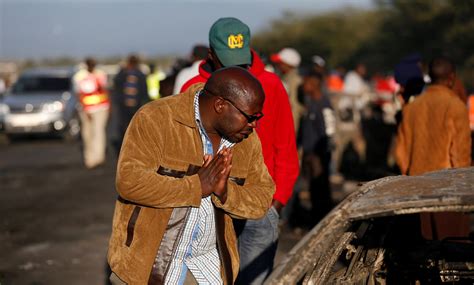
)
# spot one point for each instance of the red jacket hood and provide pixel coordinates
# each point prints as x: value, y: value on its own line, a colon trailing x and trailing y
x: 256, y: 68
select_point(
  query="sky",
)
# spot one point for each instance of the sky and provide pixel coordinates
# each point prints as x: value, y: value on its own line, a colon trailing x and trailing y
x: 76, y: 28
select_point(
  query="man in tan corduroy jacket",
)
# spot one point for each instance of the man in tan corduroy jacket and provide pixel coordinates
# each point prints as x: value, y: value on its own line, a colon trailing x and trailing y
x: 164, y: 179
x: 434, y: 134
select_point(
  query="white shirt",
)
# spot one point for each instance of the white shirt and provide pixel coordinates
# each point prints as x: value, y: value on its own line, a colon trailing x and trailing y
x: 354, y: 84
x: 197, y: 248
x: 184, y: 75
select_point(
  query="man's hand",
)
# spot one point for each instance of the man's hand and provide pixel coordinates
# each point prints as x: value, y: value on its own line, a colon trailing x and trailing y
x: 214, y: 174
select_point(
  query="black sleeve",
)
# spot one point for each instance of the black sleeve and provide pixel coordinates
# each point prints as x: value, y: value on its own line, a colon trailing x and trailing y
x: 143, y: 90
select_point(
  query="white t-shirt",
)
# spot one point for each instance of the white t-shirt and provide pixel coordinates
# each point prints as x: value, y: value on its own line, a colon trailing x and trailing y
x: 184, y: 75
x: 354, y: 84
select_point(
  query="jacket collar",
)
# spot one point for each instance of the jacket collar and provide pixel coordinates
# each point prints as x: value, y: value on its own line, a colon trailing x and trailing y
x: 185, y: 108
x: 439, y: 88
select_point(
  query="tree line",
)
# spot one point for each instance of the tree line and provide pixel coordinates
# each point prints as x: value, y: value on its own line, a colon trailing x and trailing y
x: 381, y: 36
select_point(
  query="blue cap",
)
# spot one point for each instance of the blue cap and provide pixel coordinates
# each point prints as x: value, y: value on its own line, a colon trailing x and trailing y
x: 405, y: 71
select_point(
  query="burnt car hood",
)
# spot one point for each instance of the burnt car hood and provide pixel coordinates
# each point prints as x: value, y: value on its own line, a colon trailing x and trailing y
x: 436, y: 191
x: 440, y: 191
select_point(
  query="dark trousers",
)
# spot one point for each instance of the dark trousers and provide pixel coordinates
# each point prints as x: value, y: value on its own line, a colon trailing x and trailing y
x: 320, y: 190
x: 316, y: 169
x: 125, y: 115
x: 258, y: 240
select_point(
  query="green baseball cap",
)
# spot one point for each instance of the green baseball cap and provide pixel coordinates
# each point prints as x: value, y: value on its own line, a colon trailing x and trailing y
x: 230, y: 40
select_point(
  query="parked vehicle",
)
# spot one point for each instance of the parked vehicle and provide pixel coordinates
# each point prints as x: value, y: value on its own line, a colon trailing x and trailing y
x: 42, y: 101
x: 374, y: 236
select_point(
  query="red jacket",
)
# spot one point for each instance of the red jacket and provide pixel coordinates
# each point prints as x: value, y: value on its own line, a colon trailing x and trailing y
x: 275, y: 129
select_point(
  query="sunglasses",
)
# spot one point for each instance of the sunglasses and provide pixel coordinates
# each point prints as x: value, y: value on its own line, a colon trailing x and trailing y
x: 250, y: 118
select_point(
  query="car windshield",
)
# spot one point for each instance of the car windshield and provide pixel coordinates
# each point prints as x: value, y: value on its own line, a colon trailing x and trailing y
x: 42, y: 84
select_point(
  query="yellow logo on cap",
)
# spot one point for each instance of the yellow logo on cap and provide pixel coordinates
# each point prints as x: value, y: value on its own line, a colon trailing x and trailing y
x: 235, y: 41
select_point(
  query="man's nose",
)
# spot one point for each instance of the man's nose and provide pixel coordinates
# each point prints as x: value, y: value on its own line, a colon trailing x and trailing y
x: 253, y: 124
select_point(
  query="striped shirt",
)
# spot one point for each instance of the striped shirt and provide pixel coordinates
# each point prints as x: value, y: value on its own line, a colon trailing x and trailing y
x: 197, y: 250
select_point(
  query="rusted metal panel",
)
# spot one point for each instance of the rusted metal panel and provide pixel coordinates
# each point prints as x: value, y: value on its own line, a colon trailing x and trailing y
x: 450, y: 189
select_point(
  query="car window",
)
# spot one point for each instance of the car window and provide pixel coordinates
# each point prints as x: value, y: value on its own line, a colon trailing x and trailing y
x: 41, y: 84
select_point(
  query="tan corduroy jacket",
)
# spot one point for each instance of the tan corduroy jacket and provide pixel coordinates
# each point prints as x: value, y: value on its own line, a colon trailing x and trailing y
x: 434, y: 133
x: 157, y: 185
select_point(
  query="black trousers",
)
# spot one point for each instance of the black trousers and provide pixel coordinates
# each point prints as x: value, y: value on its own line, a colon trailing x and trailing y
x: 316, y: 166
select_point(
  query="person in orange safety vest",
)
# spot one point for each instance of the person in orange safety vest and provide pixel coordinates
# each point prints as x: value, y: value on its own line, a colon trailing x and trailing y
x: 90, y: 85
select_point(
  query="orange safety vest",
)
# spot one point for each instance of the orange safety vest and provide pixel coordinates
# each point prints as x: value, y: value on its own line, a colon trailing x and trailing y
x: 334, y: 83
x: 92, y: 93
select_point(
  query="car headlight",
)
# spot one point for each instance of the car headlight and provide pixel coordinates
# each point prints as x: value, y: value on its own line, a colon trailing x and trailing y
x: 4, y: 109
x: 53, y: 107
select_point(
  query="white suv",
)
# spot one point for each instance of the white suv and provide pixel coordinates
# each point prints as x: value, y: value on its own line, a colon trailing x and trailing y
x: 42, y: 101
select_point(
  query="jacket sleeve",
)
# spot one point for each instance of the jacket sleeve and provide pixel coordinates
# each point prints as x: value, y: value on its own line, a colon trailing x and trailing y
x: 458, y: 125
x: 137, y: 179
x: 402, y: 149
x: 145, y: 98
x: 286, y: 167
x: 252, y: 200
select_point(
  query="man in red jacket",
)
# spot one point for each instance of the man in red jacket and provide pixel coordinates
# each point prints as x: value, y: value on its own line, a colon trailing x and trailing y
x: 229, y: 41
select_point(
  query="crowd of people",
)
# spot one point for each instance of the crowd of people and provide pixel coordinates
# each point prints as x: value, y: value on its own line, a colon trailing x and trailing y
x: 210, y: 194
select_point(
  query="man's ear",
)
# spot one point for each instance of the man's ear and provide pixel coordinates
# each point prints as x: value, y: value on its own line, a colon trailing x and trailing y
x: 218, y: 105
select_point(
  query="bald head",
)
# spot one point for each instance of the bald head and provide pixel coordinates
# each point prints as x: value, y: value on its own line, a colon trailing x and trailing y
x: 231, y: 103
x: 236, y: 84
x: 441, y: 70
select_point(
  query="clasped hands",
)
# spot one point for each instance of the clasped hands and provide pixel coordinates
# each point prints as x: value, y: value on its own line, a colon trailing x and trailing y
x: 214, y: 174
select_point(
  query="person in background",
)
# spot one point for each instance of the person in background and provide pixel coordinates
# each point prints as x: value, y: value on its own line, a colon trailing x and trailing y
x: 199, y: 53
x: 434, y: 134
x: 90, y: 85
x: 167, y: 84
x: 130, y: 93
x: 287, y: 62
x: 349, y: 153
x: 409, y: 76
x: 189, y: 164
x: 356, y: 86
x: 460, y: 90
x: 319, y: 65
x: 3, y: 86
x: 316, y: 130
x: 153, y: 81
x: 335, y: 80
x: 229, y: 41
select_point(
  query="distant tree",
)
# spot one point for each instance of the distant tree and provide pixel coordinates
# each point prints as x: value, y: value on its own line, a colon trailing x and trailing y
x: 334, y: 36
x: 382, y: 36
x: 430, y: 27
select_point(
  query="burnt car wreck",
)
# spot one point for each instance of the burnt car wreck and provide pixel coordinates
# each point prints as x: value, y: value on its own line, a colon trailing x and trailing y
x: 375, y: 235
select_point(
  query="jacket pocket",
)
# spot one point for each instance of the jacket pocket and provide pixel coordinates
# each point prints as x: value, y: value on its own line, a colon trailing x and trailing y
x: 237, y: 180
x: 238, y: 175
x: 131, y: 225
